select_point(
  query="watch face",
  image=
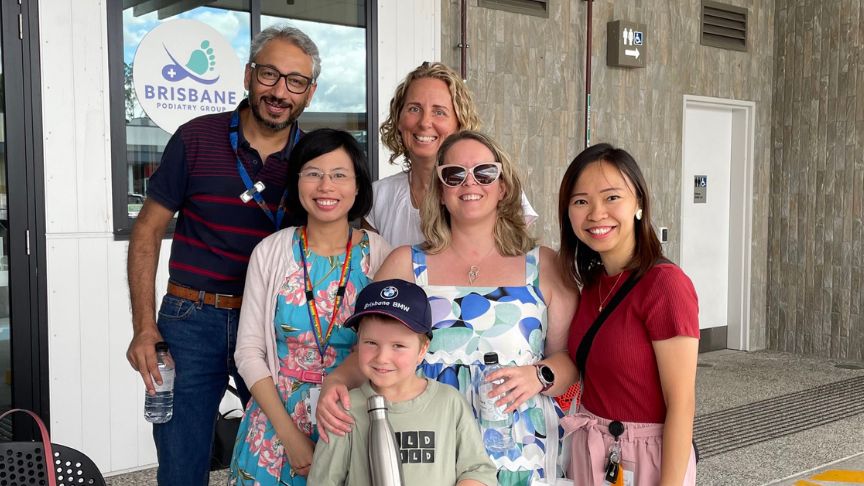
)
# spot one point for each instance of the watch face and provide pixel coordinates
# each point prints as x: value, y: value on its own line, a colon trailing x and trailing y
x: 547, y: 373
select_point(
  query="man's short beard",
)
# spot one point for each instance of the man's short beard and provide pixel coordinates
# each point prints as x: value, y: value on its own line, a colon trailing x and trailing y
x: 275, y: 126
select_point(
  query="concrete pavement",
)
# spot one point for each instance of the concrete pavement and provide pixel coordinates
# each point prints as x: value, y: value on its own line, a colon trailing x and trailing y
x: 793, y: 399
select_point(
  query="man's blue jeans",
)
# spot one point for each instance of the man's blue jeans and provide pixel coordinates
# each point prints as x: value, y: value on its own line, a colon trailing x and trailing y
x: 201, y: 339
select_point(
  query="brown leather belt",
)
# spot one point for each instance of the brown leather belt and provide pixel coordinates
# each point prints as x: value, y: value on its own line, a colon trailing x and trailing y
x: 219, y: 301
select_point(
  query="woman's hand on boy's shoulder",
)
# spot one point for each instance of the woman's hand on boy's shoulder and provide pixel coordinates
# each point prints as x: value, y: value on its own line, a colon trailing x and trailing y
x: 330, y: 414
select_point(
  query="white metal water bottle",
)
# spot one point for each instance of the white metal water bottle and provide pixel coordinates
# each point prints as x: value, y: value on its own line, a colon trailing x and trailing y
x: 385, y: 466
x: 159, y: 408
x: 495, y: 424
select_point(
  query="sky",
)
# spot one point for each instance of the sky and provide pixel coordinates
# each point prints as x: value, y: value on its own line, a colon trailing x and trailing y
x: 342, y: 84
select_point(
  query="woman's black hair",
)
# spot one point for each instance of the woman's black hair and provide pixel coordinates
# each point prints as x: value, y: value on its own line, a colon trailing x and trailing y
x: 315, y: 144
x: 583, y: 264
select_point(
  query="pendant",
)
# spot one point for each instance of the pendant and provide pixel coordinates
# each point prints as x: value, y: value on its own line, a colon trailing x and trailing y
x: 600, y: 309
x: 473, y: 273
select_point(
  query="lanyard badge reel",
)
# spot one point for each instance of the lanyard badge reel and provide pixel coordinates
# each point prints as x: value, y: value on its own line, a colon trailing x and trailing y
x: 253, y: 191
x: 613, y: 464
x: 249, y: 194
x: 618, y: 471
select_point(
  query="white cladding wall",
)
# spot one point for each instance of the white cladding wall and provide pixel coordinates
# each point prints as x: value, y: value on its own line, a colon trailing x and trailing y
x: 96, y: 398
x: 409, y: 32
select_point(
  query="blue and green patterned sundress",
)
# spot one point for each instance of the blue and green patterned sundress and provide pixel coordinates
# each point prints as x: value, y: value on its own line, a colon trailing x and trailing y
x: 511, y: 321
x: 259, y: 457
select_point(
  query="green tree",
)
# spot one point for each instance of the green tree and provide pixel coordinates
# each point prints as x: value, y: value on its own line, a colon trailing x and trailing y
x: 128, y: 92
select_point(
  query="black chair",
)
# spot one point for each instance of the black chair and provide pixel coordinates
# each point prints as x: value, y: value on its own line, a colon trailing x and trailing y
x: 23, y: 463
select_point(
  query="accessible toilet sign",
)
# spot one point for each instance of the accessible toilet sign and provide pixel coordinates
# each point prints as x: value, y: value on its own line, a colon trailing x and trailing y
x: 626, y: 44
x: 184, y: 69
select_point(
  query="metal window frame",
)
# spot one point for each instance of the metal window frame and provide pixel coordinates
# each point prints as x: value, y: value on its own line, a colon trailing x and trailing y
x: 28, y: 301
x: 119, y: 184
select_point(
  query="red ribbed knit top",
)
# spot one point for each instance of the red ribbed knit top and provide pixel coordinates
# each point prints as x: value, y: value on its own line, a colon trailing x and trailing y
x: 622, y: 381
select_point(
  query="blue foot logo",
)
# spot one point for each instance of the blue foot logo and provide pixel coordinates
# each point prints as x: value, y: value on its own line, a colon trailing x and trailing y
x: 200, y: 62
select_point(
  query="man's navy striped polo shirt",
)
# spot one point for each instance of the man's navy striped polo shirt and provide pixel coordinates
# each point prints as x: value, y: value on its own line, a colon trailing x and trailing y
x: 215, y: 231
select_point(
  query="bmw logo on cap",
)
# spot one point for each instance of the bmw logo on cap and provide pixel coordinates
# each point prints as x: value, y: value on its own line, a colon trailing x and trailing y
x: 389, y: 292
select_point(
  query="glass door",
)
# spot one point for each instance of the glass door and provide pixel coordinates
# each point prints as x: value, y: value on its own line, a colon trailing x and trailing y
x: 5, y: 348
x: 23, y: 326
x: 5, y: 342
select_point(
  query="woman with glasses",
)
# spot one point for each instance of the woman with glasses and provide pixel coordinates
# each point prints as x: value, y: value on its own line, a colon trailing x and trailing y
x: 300, y: 287
x: 430, y: 104
x: 491, y: 289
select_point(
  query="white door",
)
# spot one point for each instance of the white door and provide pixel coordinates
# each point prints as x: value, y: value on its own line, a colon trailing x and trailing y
x: 705, y: 208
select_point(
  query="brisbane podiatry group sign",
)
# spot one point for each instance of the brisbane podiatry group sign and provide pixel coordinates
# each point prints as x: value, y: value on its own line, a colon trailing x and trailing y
x: 184, y: 69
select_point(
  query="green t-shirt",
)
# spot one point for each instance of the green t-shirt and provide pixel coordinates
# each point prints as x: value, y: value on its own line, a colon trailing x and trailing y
x: 438, y: 437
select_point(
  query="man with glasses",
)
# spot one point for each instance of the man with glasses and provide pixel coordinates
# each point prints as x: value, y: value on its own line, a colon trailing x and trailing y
x: 224, y: 174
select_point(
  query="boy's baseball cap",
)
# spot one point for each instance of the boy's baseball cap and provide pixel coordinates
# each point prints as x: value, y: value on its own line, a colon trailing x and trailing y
x: 404, y: 301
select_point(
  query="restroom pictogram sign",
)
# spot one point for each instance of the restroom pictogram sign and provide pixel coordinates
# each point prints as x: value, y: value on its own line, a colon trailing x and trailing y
x: 626, y: 44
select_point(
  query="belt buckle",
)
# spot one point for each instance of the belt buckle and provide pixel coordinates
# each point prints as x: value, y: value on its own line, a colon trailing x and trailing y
x: 315, y: 377
x: 218, y: 297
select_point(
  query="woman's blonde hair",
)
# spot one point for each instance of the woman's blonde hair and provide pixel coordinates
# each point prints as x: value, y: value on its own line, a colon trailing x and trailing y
x: 511, y: 233
x: 466, y: 112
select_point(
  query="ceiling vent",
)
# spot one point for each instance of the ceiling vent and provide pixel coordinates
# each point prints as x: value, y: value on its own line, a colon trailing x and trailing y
x: 724, y: 26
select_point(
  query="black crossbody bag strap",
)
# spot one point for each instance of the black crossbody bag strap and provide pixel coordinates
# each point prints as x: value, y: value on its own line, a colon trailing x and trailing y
x: 588, y: 338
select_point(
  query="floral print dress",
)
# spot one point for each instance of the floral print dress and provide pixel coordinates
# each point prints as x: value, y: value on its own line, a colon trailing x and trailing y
x: 511, y: 321
x: 259, y: 457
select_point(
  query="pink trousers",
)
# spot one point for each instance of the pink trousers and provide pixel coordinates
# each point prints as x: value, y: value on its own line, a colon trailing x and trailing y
x: 641, y: 447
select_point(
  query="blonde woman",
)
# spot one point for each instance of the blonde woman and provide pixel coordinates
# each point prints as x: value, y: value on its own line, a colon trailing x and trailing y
x: 491, y: 288
x: 430, y: 104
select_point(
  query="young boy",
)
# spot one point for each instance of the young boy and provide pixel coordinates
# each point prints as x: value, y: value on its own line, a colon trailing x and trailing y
x: 438, y: 437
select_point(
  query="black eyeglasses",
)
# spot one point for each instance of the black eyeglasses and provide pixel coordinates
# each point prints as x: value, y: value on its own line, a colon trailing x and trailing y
x: 269, y: 76
x: 484, y: 173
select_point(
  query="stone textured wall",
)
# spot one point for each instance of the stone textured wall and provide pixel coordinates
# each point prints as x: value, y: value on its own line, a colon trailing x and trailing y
x: 528, y: 76
x: 816, y: 262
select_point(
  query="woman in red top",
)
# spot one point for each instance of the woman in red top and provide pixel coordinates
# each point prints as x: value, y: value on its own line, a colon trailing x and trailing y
x: 641, y: 368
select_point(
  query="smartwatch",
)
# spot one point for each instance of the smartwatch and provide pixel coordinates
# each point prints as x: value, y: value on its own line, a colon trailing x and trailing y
x: 545, y: 375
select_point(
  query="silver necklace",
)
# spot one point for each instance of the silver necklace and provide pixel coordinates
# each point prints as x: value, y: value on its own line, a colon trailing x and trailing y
x: 473, y: 269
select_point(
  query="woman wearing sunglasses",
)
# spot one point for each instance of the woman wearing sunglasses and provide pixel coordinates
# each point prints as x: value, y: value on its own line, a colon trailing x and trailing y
x: 430, y: 104
x: 301, y: 286
x: 491, y: 289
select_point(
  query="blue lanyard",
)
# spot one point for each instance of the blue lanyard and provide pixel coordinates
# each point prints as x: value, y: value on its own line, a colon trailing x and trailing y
x: 247, y: 181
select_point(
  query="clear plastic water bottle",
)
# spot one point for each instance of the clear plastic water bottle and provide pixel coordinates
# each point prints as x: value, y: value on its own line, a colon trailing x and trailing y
x: 495, y: 424
x: 159, y: 408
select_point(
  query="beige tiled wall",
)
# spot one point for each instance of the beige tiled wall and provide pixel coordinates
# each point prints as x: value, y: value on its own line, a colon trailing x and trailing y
x: 528, y: 76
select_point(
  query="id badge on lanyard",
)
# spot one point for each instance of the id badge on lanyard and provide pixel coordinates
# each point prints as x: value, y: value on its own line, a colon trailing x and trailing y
x: 312, y: 404
x: 626, y: 475
x: 619, y: 472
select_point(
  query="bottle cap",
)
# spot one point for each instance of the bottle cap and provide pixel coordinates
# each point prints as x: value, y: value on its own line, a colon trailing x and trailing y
x: 490, y: 358
x: 376, y: 402
x: 162, y: 346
